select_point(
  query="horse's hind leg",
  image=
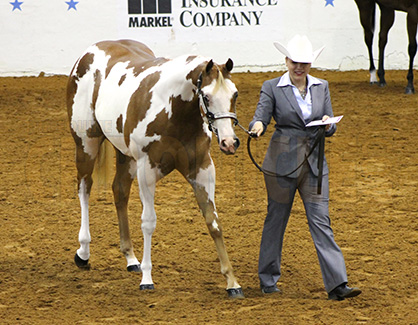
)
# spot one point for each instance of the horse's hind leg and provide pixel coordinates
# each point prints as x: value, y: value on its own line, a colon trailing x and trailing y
x: 86, y: 153
x: 367, y: 10
x: 412, y: 50
x: 204, y: 188
x: 125, y: 173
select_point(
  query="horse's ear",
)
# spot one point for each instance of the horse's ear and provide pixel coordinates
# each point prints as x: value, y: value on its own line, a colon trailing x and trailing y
x: 229, y: 65
x: 209, y: 66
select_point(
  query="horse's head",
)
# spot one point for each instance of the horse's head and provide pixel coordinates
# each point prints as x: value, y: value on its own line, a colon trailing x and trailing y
x: 218, y: 95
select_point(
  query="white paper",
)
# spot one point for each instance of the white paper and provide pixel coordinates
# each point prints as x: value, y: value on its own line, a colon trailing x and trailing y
x: 331, y: 120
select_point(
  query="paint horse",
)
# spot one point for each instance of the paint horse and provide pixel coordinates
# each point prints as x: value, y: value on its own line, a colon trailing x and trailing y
x: 367, y: 11
x: 158, y: 114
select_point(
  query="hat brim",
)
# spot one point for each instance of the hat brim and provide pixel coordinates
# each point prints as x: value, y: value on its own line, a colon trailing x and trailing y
x: 281, y: 49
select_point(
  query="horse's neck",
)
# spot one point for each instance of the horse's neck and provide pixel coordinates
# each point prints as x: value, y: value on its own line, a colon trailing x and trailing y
x: 176, y: 78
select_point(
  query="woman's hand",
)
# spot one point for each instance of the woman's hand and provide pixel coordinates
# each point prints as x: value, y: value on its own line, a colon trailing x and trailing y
x: 257, y: 129
x: 324, y: 118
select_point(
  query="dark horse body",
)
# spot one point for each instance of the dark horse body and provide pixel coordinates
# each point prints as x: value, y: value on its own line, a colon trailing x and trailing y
x: 367, y: 9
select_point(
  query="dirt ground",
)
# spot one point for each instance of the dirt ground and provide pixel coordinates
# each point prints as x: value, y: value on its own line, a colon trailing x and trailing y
x: 373, y: 159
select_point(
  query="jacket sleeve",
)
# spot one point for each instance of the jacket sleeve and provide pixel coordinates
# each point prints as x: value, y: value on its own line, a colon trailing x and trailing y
x: 328, y: 110
x: 265, y: 106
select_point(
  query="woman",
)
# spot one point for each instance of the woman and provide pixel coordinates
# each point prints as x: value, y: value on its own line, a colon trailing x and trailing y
x: 294, y: 100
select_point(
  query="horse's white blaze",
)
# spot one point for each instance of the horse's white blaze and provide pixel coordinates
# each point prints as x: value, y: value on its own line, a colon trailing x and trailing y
x: 221, y: 93
x: 84, y: 235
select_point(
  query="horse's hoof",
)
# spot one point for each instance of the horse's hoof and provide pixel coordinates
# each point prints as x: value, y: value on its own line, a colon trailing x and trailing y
x: 235, y: 293
x: 409, y: 91
x: 382, y: 84
x: 373, y: 83
x: 146, y: 287
x: 135, y: 268
x: 82, y: 264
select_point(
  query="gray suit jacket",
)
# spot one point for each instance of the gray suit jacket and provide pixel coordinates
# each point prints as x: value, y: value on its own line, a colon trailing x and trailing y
x: 292, y: 140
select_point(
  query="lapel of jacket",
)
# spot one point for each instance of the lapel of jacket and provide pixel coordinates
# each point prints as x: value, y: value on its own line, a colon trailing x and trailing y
x: 315, y: 108
x: 288, y: 91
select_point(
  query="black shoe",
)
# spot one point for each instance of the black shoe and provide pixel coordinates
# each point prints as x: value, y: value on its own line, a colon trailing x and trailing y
x: 270, y: 289
x: 343, y: 291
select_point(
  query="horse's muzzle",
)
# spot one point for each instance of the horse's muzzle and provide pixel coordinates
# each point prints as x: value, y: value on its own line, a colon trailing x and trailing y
x: 236, y: 143
x: 229, y: 145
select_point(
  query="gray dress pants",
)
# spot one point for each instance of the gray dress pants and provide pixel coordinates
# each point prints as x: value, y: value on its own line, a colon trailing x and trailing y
x: 281, y: 192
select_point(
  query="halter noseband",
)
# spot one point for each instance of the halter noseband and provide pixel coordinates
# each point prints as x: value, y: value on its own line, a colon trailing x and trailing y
x: 212, y: 117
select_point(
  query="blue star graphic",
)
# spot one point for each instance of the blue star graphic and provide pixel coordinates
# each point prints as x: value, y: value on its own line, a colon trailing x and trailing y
x: 329, y: 2
x: 71, y: 4
x: 16, y: 5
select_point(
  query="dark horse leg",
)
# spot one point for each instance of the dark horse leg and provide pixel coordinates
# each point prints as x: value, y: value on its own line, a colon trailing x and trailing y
x: 412, y: 20
x: 387, y: 18
x: 125, y: 173
x: 367, y: 11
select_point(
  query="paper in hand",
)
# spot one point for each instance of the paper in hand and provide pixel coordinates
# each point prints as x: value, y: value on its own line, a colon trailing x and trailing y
x: 331, y: 120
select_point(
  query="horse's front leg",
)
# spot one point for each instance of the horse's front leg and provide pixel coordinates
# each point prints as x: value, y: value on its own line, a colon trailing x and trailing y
x: 204, y: 188
x: 387, y: 18
x: 412, y: 50
x: 147, y: 179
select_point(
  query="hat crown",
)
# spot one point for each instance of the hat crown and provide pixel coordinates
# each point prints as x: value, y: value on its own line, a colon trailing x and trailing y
x: 299, y: 49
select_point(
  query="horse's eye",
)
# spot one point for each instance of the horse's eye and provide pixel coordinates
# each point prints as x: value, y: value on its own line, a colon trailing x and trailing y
x: 235, y: 95
x: 206, y: 99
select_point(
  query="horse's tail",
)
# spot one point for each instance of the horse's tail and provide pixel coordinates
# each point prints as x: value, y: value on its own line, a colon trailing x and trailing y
x: 103, y: 169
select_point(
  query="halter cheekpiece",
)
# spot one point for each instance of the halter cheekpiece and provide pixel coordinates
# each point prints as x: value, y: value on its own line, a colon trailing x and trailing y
x: 211, y: 117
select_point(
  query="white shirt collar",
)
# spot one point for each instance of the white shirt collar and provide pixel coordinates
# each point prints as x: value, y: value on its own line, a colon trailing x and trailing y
x: 285, y: 81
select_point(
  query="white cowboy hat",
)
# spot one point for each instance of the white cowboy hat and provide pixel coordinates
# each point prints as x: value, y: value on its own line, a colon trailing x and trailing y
x: 299, y: 49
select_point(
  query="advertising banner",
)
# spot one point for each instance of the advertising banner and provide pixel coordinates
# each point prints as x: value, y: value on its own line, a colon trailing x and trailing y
x: 216, y: 28
x: 48, y: 36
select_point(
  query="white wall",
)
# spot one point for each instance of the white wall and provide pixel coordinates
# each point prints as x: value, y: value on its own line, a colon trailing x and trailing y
x: 45, y: 35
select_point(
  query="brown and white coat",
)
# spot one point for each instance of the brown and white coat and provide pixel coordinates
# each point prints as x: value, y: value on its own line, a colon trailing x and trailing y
x: 148, y: 108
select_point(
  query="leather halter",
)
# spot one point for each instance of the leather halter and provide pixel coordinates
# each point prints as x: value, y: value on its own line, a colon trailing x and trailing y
x: 212, y: 117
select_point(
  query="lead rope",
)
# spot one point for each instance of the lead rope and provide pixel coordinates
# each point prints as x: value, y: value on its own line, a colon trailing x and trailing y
x: 320, y: 140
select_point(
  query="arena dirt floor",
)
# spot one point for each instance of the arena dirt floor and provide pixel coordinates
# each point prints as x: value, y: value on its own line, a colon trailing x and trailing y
x: 373, y: 159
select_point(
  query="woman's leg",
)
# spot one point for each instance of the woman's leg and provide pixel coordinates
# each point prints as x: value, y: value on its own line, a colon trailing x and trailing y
x: 281, y: 192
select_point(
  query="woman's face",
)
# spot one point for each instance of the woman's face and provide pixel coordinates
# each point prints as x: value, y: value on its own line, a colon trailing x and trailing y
x: 298, y: 71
